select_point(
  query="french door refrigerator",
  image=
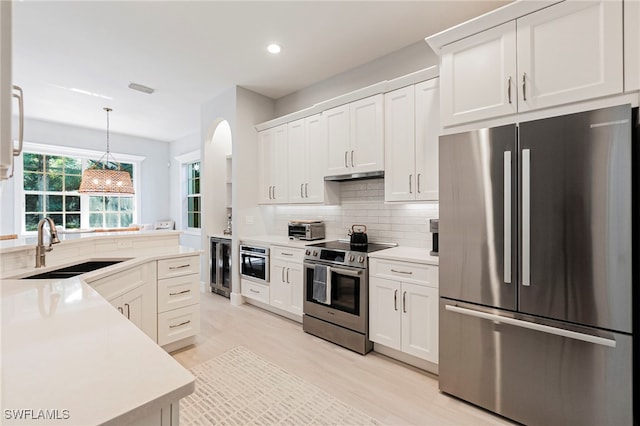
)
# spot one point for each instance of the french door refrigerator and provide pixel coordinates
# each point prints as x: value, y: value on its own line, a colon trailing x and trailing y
x: 536, y: 269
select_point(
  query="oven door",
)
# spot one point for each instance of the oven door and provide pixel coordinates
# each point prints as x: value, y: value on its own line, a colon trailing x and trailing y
x: 349, y: 297
x: 254, y: 267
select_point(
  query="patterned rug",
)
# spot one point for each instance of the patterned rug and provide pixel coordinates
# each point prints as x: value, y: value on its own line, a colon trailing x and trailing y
x: 240, y: 388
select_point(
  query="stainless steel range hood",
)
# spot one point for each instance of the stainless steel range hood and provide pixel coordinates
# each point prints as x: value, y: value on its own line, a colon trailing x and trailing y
x: 355, y: 176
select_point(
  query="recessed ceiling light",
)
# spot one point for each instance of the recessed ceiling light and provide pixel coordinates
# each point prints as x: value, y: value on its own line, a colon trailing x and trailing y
x: 141, y: 88
x: 274, y: 48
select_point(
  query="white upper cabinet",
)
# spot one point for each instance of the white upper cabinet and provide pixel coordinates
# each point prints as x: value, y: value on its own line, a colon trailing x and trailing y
x: 412, y: 126
x: 273, y: 165
x: 355, y: 137
x: 6, y: 92
x: 632, y: 45
x: 307, y: 159
x: 478, y: 76
x: 569, y: 52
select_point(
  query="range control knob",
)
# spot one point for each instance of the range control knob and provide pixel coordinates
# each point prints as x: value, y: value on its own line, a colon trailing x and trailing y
x: 308, y: 252
x: 351, y: 258
x: 315, y: 253
x: 361, y: 259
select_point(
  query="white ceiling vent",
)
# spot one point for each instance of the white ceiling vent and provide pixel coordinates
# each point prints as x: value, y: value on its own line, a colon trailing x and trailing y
x: 141, y: 88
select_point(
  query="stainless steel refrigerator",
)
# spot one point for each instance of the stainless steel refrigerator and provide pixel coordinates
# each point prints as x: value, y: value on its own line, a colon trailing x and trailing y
x: 536, y: 320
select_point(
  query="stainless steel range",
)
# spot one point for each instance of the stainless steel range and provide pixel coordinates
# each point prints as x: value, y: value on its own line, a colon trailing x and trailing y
x: 336, y: 293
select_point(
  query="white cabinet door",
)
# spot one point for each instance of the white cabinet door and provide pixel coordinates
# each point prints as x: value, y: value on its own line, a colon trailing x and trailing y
x: 273, y: 165
x: 279, y: 290
x: 420, y: 321
x: 385, y: 320
x: 280, y: 163
x: 427, y: 113
x: 265, y: 164
x: 367, y: 134
x: 6, y: 91
x: 399, y: 176
x: 478, y: 76
x: 296, y: 159
x: 569, y: 52
x: 295, y: 281
x: 631, y: 45
x: 315, y: 158
x: 338, y: 140
x: 137, y: 307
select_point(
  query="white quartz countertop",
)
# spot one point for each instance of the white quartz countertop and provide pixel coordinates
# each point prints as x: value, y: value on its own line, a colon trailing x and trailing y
x: 279, y: 240
x: 65, y: 348
x: 406, y: 254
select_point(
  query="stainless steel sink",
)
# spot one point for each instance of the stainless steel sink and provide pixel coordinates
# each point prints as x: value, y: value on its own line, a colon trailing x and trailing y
x: 73, y: 270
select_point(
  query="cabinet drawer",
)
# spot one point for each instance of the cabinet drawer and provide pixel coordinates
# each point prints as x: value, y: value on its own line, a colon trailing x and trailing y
x: 178, y: 292
x: 175, y: 267
x: 178, y: 324
x: 259, y: 292
x: 287, y: 253
x: 405, y: 271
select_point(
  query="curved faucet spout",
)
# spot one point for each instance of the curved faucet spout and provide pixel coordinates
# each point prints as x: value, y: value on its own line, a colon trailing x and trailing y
x: 53, y: 239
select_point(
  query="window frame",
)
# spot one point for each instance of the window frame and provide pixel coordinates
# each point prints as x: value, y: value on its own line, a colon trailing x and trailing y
x: 83, y: 154
x: 184, y: 160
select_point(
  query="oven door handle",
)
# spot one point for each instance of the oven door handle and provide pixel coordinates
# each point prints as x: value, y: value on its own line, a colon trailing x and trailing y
x: 351, y: 273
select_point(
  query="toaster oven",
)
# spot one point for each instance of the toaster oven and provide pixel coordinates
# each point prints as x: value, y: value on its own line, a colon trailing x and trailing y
x: 306, y: 230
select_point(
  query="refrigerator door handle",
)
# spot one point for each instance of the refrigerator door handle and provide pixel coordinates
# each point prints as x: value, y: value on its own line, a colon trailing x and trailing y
x: 507, y: 217
x: 533, y: 326
x: 526, y: 217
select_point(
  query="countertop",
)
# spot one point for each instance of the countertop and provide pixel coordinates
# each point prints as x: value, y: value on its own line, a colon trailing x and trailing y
x: 64, y: 347
x: 279, y: 240
x: 406, y: 254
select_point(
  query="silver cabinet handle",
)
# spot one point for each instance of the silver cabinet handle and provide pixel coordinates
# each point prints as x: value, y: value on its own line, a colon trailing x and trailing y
x: 283, y: 275
x: 404, y: 302
x: 120, y: 309
x: 524, y: 86
x: 526, y: 217
x: 254, y: 291
x: 181, y: 324
x: 271, y: 192
x: 20, y: 97
x: 418, y: 182
x: 410, y: 190
x: 301, y: 194
x: 180, y: 292
x: 288, y: 276
x: 402, y: 272
x: 346, y: 165
x: 274, y: 192
x: 352, y: 163
x: 126, y: 305
x: 507, y: 217
x: 286, y: 254
x: 306, y: 190
x: 509, y: 89
x: 179, y: 266
x: 533, y: 326
x: 395, y: 299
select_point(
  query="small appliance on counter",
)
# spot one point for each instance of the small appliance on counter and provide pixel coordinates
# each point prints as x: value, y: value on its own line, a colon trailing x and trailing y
x: 433, y: 228
x: 306, y: 230
x: 228, y: 229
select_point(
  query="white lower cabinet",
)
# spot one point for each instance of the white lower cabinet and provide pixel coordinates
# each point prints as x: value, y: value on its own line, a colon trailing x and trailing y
x: 286, y: 282
x: 133, y: 293
x: 403, y: 307
x: 255, y: 291
x: 178, y: 304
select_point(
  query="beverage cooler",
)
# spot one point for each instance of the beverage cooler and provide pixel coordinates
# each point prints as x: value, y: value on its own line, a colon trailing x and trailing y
x: 220, y: 266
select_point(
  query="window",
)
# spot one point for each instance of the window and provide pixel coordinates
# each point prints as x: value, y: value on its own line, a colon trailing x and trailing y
x: 49, y: 187
x: 193, y: 195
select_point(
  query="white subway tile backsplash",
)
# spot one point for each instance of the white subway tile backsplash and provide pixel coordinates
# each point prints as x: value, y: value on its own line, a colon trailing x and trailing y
x: 362, y: 202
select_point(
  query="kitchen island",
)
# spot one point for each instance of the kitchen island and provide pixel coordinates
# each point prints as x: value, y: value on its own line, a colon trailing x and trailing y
x: 69, y: 357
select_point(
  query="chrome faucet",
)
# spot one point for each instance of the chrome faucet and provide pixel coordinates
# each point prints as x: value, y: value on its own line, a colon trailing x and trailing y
x: 53, y: 239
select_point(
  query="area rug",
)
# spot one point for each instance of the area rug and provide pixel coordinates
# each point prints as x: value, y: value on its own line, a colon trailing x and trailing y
x: 240, y: 388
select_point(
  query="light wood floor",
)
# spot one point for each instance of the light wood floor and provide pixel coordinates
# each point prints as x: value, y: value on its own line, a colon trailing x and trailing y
x: 389, y: 391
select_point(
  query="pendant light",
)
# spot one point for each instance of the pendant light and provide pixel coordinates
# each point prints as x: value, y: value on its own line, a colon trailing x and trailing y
x: 100, y: 179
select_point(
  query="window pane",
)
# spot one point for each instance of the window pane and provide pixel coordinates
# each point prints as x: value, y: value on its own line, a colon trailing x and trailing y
x: 190, y: 204
x: 33, y: 181
x: 96, y: 204
x: 95, y: 220
x: 72, y: 183
x: 31, y: 221
x: 33, y: 203
x: 196, y: 220
x: 72, y: 166
x: 111, y: 203
x: 196, y: 186
x: 54, y: 203
x: 127, y: 168
x: 32, y: 162
x: 126, y: 219
x: 73, y: 221
x: 111, y: 220
x: 191, y: 220
x: 57, y: 219
x: 54, y: 182
x: 196, y: 204
x: 72, y: 203
x: 55, y: 164
x: 126, y: 204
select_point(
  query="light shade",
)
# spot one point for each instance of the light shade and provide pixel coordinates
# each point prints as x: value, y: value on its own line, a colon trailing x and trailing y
x: 96, y: 181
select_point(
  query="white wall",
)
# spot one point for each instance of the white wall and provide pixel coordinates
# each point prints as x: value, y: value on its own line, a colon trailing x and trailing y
x: 412, y: 58
x: 185, y: 145
x: 154, y: 169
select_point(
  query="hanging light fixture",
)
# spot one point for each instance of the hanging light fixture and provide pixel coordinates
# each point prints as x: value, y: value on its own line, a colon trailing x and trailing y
x: 101, y: 179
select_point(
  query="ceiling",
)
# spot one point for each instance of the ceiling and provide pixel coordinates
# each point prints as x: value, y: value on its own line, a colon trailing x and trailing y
x: 191, y: 51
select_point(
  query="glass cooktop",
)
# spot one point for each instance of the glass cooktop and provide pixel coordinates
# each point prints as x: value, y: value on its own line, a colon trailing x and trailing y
x: 345, y: 245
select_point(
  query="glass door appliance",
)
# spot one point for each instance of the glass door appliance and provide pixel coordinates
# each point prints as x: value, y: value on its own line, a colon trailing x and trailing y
x: 220, y: 266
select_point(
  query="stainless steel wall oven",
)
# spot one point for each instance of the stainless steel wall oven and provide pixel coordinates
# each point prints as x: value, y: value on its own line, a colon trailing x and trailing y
x: 254, y: 263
